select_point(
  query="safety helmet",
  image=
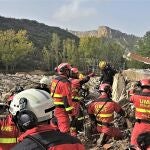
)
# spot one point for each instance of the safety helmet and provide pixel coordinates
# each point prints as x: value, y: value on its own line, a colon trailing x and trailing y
x: 63, y: 67
x: 45, y: 80
x: 74, y: 70
x: 30, y: 107
x: 145, y: 83
x: 105, y: 87
x: 81, y: 76
x: 102, y: 64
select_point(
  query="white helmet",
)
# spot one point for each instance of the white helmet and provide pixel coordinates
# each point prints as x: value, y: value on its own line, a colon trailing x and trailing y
x: 45, y: 80
x: 36, y: 101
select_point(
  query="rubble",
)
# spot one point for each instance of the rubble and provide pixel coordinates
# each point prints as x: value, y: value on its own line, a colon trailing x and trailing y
x: 9, y: 81
x: 122, y: 83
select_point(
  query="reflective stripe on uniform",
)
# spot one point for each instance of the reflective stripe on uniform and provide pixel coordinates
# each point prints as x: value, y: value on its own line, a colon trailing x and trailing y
x: 68, y: 108
x: 76, y: 97
x: 56, y: 95
x: 80, y: 118
x: 99, y: 124
x: 105, y: 115
x: 59, y: 103
x: 8, y: 140
x: 142, y: 110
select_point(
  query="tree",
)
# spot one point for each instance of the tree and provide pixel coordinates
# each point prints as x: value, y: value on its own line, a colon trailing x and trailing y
x: 70, y: 52
x: 46, y: 57
x: 93, y: 49
x: 55, y: 47
x: 14, y: 46
x: 143, y: 48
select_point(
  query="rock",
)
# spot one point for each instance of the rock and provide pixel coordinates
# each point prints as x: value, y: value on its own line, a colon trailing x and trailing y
x: 107, y: 146
x: 118, y: 87
x: 125, y: 81
x: 136, y: 74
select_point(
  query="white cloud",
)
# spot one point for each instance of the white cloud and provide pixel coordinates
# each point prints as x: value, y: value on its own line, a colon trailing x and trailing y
x: 74, y: 11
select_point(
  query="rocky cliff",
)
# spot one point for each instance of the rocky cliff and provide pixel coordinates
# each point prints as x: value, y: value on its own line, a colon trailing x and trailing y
x: 102, y: 31
x: 125, y: 40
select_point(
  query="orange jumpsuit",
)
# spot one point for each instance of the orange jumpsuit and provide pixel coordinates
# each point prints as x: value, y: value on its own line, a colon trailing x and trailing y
x: 142, y: 115
x: 105, y: 116
x: 77, y: 121
x: 61, y: 93
x: 8, y: 133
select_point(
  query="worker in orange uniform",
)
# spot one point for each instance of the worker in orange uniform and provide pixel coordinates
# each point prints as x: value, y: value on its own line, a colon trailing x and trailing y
x: 102, y: 112
x: 142, y: 110
x: 61, y: 93
x: 32, y: 111
x: 76, y: 85
x: 8, y: 130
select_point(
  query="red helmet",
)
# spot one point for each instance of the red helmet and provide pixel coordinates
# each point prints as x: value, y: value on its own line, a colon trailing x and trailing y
x: 105, y: 87
x: 63, y: 67
x: 145, y: 82
x: 75, y: 70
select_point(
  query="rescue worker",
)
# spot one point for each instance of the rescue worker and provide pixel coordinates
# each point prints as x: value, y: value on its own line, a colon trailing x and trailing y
x: 61, y: 94
x: 142, y: 110
x: 32, y: 111
x: 44, y: 84
x: 107, y: 71
x: 102, y: 112
x: 8, y: 130
x: 76, y: 85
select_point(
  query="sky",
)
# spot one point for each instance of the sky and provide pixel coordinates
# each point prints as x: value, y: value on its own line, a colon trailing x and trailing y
x: 128, y: 16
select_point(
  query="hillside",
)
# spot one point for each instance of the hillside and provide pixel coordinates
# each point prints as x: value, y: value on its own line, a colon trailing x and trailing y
x: 39, y: 33
x: 66, y: 46
x: 125, y: 40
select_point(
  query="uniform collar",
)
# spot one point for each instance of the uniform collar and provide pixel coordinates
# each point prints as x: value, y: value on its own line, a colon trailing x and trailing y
x: 39, y: 128
x: 103, y: 96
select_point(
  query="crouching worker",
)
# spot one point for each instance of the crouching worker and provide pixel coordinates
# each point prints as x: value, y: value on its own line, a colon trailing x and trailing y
x: 32, y: 111
x: 102, y: 111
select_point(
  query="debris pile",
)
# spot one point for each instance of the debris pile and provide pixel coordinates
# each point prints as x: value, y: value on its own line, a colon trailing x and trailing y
x: 123, y: 82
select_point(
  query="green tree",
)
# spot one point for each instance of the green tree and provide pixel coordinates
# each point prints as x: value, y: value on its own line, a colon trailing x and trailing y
x: 70, y: 52
x: 55, y: 47
x: 14, y: 46
x: 143, y: 48
x: 46, y: 57
x: 93, y: 49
